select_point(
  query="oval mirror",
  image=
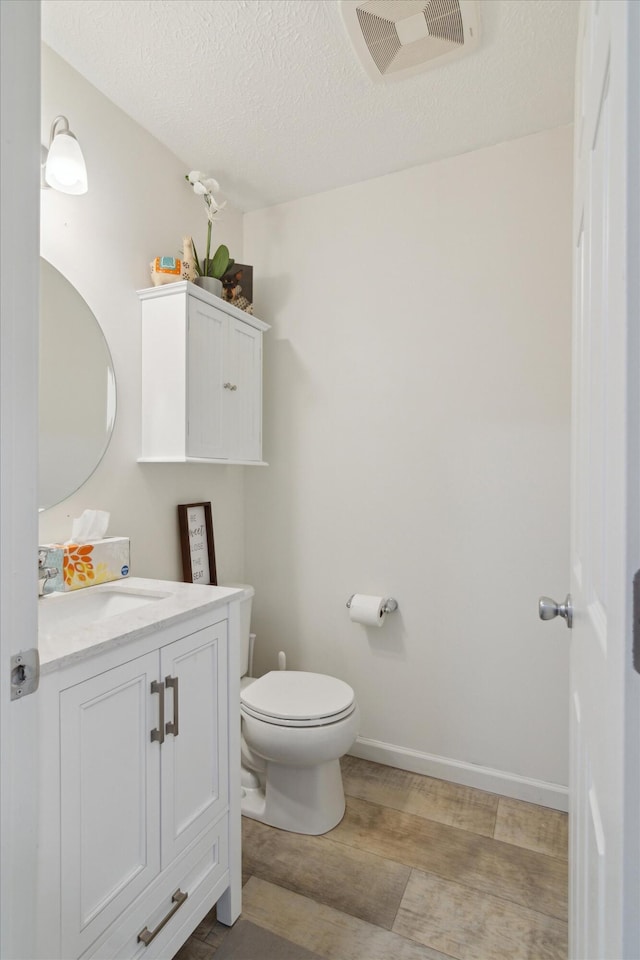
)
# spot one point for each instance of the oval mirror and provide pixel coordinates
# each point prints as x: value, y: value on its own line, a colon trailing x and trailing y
x: 77, y: 389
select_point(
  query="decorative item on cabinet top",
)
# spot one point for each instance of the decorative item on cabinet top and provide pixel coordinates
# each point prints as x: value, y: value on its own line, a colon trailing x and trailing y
x: 209, y: 269
x: 201, y: 378
x: 168, y: 270
x: 237, y: 286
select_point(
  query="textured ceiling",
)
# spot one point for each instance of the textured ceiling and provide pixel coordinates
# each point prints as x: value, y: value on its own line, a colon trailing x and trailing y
x: 268, y: 97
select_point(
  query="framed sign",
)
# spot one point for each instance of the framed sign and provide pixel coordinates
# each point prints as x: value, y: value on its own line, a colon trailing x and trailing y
x: 196, y: 542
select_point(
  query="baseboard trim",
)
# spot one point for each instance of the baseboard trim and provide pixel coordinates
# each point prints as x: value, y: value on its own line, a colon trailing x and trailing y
x: 468, y: 774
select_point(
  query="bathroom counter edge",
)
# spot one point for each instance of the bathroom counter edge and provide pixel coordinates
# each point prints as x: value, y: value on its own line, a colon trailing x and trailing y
x: 184, y: 600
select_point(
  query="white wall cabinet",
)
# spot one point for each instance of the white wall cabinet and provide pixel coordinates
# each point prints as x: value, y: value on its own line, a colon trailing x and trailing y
x: 137, y: 824
x: 201, y: 378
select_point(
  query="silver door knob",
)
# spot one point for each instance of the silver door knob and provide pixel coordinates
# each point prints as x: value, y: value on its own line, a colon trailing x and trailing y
x: 548, y: 609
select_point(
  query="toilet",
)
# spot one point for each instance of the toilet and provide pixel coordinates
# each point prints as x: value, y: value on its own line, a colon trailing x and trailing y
x: 295, y: 727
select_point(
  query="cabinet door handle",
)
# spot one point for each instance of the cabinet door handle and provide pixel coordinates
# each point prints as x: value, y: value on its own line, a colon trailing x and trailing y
x: 172, y: 727
x: 146, y: 936
x: 157, y: 686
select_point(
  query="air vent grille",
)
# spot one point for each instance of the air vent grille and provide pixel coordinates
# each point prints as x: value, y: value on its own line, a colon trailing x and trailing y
x: 381, y: 37
x: 444, y: 20
x: 403, y: 36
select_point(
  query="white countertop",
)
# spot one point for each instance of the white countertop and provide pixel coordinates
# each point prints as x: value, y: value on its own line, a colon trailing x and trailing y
x: 74, y: 641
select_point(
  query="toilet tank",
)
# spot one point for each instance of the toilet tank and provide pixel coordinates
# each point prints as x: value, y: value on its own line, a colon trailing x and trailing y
x: 245, y: 623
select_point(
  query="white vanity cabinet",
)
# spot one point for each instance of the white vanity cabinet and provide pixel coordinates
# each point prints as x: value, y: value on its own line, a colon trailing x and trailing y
x: 201, y: 378
x: 140, y: 831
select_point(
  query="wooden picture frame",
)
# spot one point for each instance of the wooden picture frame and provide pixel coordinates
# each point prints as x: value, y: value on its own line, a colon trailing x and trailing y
x: 195, y: 521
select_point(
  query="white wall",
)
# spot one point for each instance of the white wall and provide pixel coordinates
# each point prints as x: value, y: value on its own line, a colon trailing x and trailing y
x: 417, y: 382
x: 138, y: 207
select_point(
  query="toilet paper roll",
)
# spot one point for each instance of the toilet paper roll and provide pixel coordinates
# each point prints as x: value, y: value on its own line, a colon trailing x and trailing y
x: 367, y: 610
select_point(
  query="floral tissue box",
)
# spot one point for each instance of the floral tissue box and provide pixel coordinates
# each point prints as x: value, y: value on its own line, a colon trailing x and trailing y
x: 83, y: 565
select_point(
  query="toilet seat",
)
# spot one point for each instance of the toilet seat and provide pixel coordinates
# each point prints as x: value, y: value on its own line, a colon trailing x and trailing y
x: 296, y: 698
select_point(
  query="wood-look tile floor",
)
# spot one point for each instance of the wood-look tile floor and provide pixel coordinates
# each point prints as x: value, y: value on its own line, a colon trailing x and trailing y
x: 419, y: 869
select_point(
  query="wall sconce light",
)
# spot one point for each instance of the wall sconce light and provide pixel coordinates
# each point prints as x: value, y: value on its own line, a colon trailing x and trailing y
x: 63, y: 166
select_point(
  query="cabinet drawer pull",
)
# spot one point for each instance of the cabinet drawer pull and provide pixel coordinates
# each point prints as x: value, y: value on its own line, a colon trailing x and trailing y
x: 230, y: 386
x: 146, y: 936
x: 172, y: 727
x: 157, y: 686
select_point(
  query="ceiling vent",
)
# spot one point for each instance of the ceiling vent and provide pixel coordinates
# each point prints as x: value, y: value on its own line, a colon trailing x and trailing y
x: 396, y: 38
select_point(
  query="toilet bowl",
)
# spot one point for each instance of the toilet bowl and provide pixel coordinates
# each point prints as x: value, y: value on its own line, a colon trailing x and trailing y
x: 295, y: 728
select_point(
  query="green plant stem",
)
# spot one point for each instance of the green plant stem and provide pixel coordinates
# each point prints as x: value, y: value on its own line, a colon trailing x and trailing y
x: 206, y: 262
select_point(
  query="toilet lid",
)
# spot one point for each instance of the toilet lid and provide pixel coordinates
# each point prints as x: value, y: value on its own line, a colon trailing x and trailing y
x: 295, y: 697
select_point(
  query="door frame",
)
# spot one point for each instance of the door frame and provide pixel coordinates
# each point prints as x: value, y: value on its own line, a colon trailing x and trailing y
x: 19, y: 308
x: 631, y: 866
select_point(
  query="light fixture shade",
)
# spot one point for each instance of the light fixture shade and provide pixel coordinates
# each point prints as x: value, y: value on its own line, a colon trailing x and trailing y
x: 65, y: 169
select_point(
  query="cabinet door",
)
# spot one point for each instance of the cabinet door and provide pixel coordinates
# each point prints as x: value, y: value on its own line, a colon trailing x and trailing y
x: 194, y: 757
x: 244, y: 404
x: 205, y: 357
x: 110, y: 774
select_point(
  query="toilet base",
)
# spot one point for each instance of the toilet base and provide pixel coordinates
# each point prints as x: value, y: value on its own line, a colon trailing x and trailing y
x: 307, y: 800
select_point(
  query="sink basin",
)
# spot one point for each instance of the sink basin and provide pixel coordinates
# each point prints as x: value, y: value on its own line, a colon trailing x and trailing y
x: 86, y: 606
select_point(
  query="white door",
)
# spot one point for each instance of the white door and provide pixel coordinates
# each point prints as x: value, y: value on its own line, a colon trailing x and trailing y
x: 194, y: 753
x: 605, y: 491
x: 109, y: 796
x: 206, y: 333
x: 19, y: 268
x: 244, y: 401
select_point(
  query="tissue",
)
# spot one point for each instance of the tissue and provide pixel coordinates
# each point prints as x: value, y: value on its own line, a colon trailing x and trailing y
x: 91, y: 526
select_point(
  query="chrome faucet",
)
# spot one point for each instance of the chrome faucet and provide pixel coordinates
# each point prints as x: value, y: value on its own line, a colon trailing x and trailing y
x: 44, y: 573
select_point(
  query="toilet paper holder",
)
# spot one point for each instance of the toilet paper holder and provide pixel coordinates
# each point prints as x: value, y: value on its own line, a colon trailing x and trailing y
x: 389, y: 604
